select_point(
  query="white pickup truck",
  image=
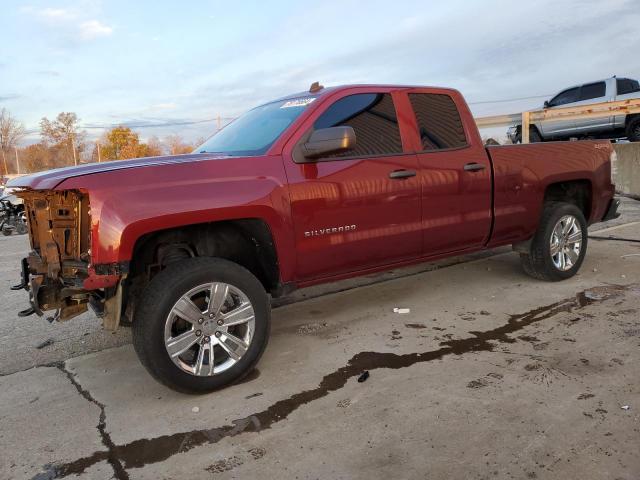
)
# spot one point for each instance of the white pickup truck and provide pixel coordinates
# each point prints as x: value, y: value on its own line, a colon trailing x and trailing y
x: 616, y: 126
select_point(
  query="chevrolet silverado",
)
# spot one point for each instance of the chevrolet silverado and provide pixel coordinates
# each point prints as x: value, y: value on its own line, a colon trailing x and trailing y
x: 314, y: 187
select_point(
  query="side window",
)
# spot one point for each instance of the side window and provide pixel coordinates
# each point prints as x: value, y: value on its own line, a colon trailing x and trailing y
x: 593, y: 90
x: 373, y: 118
x: 438, y: 121
x: 568, y: 96
x: 626, y: 85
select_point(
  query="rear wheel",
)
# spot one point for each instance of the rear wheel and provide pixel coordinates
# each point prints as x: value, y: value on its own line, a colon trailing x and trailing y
x: 201, y: 324
x: 559, y: 245
x: 633, y: 130
x: 534, y: 135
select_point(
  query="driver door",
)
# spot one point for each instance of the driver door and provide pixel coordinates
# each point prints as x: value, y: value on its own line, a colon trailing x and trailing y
x: 356, y: 209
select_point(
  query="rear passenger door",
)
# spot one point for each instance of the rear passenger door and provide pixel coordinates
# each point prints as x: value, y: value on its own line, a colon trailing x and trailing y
x: 455, y: 176
x: 589, y: 94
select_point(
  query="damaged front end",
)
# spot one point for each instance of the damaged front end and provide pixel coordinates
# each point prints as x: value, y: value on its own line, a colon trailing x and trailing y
x: 56, y: 271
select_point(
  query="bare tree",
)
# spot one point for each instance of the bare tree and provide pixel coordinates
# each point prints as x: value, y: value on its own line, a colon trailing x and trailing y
x: 63, y: 130
x: 177, y: 145
x: 11, y: 132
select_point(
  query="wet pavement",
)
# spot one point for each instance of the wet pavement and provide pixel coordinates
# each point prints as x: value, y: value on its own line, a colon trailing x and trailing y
x: 491, y: 374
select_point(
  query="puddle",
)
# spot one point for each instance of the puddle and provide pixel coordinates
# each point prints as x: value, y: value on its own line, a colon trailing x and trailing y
x: 146, y: 451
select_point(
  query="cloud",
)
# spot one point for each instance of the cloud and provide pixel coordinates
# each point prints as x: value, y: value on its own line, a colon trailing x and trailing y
x: 70, y: 23
x: 56, y: 14
x: 163, y: 106
x: 10, y: 96
x: 48, y: 73
x: 91, y: 29
x: 50, y: 15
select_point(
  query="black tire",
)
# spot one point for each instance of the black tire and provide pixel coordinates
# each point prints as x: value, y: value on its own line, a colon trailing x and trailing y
x: 538, y: 262
x: 633, y: 130
x: 7, y: 231
x: 156, y: 302
x: 534, y: 135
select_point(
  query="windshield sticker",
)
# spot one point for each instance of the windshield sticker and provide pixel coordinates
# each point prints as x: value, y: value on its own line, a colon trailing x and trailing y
x: 298, y: 102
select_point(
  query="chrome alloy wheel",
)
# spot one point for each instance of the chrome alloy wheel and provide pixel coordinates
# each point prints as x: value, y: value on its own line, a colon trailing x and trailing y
x: 209, y: 329
x: 566, y: 243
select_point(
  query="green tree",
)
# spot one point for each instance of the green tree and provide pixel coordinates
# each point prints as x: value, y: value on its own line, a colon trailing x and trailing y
x: 121, y: 143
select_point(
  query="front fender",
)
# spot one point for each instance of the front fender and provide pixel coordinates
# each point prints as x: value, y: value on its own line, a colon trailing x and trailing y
x: 125, y: 205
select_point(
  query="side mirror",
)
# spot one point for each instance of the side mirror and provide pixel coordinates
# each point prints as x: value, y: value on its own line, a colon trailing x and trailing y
x: 329, y: 140
x: 546, y: 104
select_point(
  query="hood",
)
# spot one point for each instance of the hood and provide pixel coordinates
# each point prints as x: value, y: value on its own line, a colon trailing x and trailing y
x: 51, y: 178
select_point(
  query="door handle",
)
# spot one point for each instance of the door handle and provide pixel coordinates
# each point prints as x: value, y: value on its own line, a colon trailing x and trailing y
x: 400, y: 174
x: 473, y: 167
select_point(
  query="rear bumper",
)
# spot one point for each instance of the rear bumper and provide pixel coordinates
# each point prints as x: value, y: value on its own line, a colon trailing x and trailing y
x: 612, y: 210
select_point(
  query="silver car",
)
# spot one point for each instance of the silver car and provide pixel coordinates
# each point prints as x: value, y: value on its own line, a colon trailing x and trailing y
x: 615, y: 126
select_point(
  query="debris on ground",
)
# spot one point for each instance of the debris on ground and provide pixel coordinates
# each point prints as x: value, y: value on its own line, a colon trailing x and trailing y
x: 402, y: 311
x: 363, y: 377
x: 46, y: 343
x: 625, y: 407
x: 195, y: 409
x: 253, y: 395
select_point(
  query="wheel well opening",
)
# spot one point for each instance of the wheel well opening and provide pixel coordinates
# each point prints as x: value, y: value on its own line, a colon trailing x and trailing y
x: 247, y: 242
x: 577, y: 192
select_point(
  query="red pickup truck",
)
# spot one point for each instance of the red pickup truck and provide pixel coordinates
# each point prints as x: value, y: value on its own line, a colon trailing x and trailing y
x: 311, y: 188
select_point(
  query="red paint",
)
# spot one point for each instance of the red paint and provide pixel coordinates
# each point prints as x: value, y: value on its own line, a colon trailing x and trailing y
x: 444, y: 210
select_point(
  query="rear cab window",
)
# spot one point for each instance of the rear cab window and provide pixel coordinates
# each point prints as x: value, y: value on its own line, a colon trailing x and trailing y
x: 625, y: 86
x: 373, y: 118
x: 439, y: 122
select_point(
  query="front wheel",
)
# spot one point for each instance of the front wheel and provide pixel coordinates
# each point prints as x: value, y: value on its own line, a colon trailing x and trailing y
x: 559, y: 245
x: 201, y: 324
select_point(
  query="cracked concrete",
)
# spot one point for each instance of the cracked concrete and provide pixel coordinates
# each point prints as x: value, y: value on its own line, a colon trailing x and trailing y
x: 540, y: 402
x: 115, y: 463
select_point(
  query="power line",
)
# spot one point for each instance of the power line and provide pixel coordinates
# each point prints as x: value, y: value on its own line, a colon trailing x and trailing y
x: 91, y: 126
x: 506, y: 100
x: 156, y: 125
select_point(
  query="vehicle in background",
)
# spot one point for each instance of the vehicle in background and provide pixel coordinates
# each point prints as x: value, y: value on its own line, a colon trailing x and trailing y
x: 311, y: 188
x: 615, y: 126
x: 12, y: 215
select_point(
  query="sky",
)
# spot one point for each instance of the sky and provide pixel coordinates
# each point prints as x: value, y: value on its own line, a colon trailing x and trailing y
x: 174, y: 67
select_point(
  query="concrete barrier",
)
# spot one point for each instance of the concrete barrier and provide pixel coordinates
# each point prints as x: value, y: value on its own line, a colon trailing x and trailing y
x: 625, y: 170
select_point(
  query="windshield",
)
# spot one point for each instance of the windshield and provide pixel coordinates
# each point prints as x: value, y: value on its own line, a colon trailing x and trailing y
x: 255, y: 131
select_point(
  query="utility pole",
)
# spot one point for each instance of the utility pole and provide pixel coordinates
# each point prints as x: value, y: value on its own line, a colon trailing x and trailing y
x: 98, y: 147
x: 17, y: 160
x: 218, y: 123
x: 73, y: 149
